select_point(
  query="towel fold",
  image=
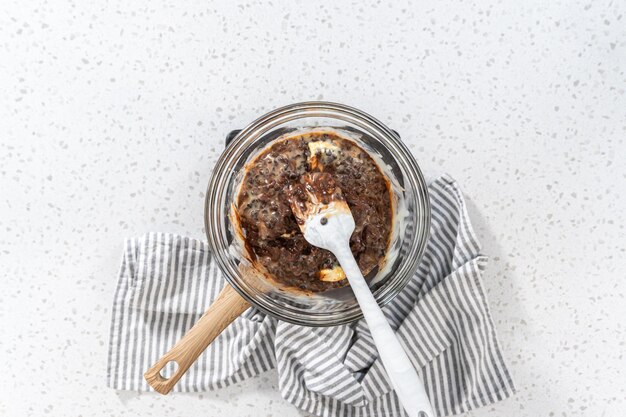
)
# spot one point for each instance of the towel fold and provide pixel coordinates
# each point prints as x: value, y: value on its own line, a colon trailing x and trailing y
x: 441, y: 317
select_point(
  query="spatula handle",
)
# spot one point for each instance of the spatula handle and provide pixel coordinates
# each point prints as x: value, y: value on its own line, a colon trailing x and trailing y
x: 227, y: 307
x: 404, y: 379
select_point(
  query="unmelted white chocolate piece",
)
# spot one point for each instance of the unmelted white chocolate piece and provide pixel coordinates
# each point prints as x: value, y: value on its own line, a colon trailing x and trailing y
x: 319, y: 149
x: 333, y: 274
x: 322, y: 145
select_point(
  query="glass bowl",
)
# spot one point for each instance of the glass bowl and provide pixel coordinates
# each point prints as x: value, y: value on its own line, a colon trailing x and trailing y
x: 411, y: 220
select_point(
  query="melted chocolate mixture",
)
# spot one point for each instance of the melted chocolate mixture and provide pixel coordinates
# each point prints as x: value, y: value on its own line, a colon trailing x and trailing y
x: 271, y: 233
x: 315, y: 190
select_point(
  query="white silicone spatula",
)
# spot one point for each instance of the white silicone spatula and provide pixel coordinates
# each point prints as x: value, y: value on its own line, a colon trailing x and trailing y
x: 326, y: 222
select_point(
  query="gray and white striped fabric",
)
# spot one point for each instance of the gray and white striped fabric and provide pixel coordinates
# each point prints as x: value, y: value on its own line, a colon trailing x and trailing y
x: 442, y: 319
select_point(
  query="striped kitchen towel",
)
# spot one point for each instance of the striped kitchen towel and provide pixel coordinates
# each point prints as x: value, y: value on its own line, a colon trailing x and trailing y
x: 441, y: 317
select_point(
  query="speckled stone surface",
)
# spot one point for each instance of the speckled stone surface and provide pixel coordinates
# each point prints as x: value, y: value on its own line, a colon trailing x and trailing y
x: 112, y: 115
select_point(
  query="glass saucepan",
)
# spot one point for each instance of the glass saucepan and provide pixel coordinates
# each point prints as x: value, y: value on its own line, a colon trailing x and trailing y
x: 411, y: 220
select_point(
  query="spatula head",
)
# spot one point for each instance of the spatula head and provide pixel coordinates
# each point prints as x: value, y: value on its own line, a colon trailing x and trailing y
x: 321, y: 210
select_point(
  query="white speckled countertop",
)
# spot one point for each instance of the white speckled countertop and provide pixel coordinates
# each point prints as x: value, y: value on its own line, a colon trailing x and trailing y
x: 113, y: 113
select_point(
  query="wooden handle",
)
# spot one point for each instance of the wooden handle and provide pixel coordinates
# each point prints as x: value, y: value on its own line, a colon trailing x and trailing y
x: 227, y: 307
